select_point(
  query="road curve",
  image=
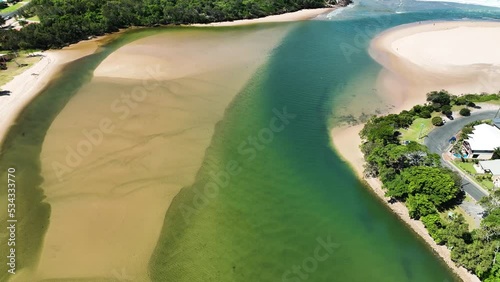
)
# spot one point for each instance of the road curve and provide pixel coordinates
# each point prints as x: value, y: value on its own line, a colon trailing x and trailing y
x: 437, y: 142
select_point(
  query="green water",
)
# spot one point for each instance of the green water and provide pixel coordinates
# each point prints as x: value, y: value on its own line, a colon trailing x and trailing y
x: 289, y: 194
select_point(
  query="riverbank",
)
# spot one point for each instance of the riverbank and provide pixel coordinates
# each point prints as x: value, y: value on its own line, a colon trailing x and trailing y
x: 410, y: 71
x: 301, y: 15
x: 24, y: 87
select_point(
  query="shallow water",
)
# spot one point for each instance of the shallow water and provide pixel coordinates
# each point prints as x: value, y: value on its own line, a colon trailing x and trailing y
x: 268, y: 207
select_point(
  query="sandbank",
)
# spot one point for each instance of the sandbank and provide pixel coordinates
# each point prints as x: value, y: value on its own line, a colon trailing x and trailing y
x: 300, y: 15
x: 108, y: 210
x: 459, y: 56
x: 419, y: 58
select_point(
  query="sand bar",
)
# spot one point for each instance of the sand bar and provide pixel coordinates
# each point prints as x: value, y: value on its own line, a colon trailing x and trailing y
x: 459, y: 56
x: 417, y: 58
x: 108, y: 210
x: 301, y: 15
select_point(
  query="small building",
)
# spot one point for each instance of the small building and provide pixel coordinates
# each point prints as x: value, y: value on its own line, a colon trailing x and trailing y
x: 492, y: 167
x: 482, y: 142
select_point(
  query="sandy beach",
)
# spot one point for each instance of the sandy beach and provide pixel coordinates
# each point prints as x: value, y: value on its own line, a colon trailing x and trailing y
x: 462, y: 59
x: 305, y: 14
x: 24, y: 87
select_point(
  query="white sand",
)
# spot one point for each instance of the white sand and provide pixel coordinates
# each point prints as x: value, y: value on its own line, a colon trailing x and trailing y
x: 301, y: 15
x: 456, y: 44
x: 461, y: 57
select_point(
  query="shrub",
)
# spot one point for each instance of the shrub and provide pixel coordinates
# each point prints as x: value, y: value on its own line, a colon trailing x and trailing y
x: 471, y: 104
x: 446, y: 110
x: 464, y: 112
x: 437, y: 121
x: 425, y: 114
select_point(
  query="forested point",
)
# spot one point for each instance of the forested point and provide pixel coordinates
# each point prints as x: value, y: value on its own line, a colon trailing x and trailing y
x: 63, y: 22
x: 411, y: 174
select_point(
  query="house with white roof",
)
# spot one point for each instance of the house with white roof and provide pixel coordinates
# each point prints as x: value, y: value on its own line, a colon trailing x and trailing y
x: 492, y: 167
x: 482, y: 142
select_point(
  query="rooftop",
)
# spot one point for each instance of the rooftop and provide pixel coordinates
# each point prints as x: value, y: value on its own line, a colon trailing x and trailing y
x: 484, y: 138
x: 493, y: 166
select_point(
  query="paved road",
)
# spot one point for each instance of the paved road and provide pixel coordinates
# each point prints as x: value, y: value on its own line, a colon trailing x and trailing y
x: 437, y: 141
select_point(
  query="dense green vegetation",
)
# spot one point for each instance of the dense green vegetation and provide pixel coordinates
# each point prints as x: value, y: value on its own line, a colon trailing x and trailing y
x: 413, y: 175
x: 69, y: 21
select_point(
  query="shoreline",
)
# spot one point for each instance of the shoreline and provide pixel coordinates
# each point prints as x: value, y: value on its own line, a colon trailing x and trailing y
x: 350, y: 136
x: 407, y: 76
x: 28, y: 85
x: 300, y: 15
x: 25, y: 86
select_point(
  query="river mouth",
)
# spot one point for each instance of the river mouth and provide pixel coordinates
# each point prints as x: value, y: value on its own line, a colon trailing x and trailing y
x: 292, y: 194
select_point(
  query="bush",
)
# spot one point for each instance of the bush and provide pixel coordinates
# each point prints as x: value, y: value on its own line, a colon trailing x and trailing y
x: 425, y: 114
x: 437, y: 121
x: 465, y: 112
x: 471, y: 104
x: 446, y: 110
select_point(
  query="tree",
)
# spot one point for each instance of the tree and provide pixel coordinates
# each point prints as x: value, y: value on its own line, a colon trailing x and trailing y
x: 419, y: 205
x: 425, y: 114
x: 437, y: 121
x: 464, y: 112
x: 442, y: 97
x: 446, y: 110
x: 438, y: 184
x: 496, y: 154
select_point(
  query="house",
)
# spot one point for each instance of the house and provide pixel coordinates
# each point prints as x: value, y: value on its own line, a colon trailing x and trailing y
x: 494, y: 168
x: 482, y: 141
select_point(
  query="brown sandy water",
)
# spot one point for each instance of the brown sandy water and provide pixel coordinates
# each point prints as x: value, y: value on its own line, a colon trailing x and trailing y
x: 123, y: 147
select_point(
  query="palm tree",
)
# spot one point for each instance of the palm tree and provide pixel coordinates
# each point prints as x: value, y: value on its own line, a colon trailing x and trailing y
x: 496, y: 154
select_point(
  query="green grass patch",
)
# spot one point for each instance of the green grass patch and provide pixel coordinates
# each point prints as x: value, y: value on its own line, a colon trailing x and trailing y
x: 418, y: 130
x: 13, y: 69
x: 471, y: 171
x: 34, y: 19
x: 12, y: 8
x: 487, y: 184
x: 466, y: 167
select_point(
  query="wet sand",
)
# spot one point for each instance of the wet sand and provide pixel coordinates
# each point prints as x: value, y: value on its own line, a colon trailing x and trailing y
x: 24, y: 87
x: 157, y: 100
x: 411, y: 70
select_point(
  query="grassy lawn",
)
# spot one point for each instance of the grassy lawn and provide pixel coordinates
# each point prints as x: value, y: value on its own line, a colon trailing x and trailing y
x: 34, y: 19
x: 412, y: 133
x: 470, y: 221
x: 467, y: 167
x: 12, y: 8
x: 12, y: 68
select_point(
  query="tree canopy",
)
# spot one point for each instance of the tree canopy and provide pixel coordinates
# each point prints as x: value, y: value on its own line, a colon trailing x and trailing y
x: 68, y: 21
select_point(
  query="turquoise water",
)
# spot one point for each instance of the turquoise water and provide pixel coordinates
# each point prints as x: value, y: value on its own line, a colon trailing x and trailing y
x: 295, y: 190
x: 291, y: 193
